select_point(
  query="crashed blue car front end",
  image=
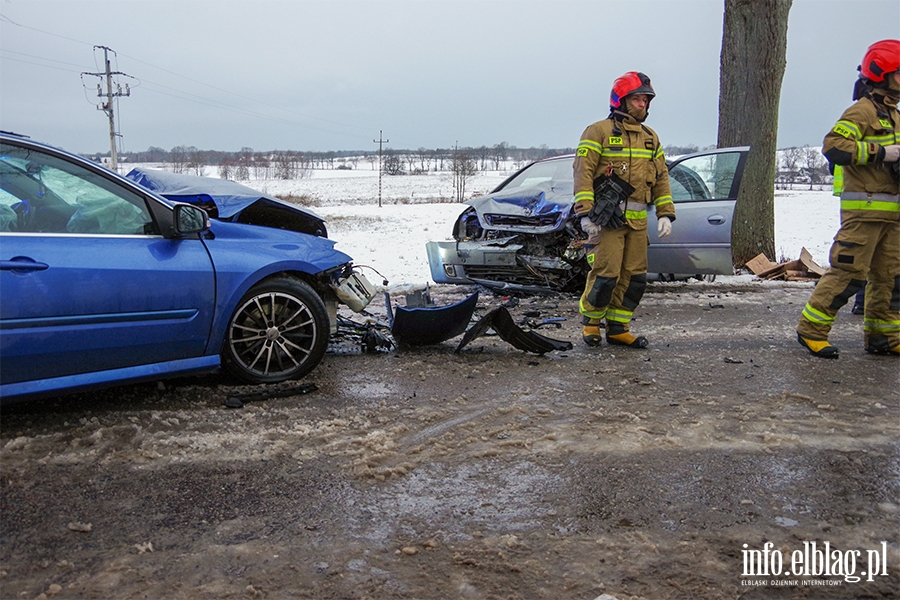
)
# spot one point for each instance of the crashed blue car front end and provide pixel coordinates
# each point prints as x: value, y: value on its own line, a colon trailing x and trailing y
x: 103, y: 281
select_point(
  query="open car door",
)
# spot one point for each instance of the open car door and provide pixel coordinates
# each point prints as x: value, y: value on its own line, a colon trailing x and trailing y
x: 704, y: 187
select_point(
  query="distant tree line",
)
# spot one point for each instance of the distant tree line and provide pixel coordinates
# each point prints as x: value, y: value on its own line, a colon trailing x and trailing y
x: 797, y: 166
x: 289, y: 164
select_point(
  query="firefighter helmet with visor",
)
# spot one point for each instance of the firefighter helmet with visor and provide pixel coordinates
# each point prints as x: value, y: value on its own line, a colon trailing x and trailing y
x: 632, y: 82
x: 881, y: 59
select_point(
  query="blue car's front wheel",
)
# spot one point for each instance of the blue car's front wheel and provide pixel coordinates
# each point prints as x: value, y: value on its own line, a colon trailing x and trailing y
x: 279, y: 331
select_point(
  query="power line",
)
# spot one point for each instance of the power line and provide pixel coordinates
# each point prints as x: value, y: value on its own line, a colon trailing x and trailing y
x: 230, y: 93
x: 38, y: 58
x: 194, y: 97
x: 5, y: 19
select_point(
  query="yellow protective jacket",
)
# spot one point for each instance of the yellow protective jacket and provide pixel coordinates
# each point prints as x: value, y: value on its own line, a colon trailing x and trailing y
x: 870, y: 190
x: 623, y: 146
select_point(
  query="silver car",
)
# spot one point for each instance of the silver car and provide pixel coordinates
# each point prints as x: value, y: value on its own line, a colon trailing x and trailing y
x: 522, y: 236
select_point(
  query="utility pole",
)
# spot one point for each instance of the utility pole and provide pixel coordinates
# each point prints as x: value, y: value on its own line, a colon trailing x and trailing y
x: 380, y: 141
x: 107, y: 106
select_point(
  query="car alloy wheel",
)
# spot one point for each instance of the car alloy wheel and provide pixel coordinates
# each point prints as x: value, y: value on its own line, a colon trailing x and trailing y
x: 278, y: 332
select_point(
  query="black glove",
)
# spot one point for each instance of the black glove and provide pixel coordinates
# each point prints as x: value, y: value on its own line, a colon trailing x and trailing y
x: 609, y: 192
x: 606, y: 214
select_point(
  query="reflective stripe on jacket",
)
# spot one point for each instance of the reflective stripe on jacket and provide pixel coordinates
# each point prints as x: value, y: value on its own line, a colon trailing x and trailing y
x: 633, y: 152
x: 838, y: 185
x: 869, y: 190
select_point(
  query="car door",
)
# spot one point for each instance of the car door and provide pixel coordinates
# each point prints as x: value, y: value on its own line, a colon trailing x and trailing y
x: 87, y: 283
x: 704, y: 189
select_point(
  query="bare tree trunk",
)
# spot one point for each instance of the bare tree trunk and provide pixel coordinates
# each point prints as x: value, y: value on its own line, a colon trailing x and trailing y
x: 752, y: 63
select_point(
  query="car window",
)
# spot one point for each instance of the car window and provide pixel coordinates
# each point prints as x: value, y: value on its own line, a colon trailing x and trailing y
x: 52, y: 195
x: 707, y: 177
x: 557, y: 171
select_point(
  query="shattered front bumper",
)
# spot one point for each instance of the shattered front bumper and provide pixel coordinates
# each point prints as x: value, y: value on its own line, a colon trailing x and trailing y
x: 499, y: 264
x: 464, y: 262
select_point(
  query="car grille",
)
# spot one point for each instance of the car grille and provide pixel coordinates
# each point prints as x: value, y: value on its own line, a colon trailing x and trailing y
x: 521, y: 221
x: 517, y: 274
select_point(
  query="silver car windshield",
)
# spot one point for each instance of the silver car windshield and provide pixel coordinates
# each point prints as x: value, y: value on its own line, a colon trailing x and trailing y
x: 559, y: 172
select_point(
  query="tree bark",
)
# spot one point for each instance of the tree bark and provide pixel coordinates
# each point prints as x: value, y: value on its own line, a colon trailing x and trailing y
x: 752, y: 63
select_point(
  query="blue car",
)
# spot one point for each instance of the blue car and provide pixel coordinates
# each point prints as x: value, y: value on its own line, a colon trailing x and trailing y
x: 103, y: 281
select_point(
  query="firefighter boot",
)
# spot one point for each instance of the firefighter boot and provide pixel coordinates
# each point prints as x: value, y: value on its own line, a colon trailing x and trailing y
x: 590, y: 333
x: 820, y: 348
x: 618, y: 335
x: 879, y: 344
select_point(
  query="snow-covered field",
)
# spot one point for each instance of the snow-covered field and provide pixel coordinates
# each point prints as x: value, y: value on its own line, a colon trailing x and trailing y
x: 417, y: 208
x: 392, y: 238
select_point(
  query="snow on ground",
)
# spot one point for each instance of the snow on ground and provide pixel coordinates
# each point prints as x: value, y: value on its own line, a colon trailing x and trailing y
x: 805, y: 219
x: 392, y: 237
x: 417, y: 208
x: 361, y: 187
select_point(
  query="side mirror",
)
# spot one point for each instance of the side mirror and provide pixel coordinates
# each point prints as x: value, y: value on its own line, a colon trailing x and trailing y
x: 190, y: 219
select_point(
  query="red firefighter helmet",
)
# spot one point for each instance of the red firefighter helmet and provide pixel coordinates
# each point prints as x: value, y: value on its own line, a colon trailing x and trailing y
x: 880, y: 59
x: 631, y: 82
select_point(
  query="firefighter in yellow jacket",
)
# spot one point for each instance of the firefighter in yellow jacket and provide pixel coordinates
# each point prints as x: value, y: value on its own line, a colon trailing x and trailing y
x: 620, y: 171
x: 865, y: 142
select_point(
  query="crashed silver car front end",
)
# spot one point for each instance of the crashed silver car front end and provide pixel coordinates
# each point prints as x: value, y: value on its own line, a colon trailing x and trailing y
x: 520, y: 239
x: 503, y: 263
x: 522, y: 235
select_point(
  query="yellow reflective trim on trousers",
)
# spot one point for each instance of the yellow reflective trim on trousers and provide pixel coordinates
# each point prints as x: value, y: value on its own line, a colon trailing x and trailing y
x: 590, y: 314
x: 591, y: 145
x: 870, y: 205
x: 619, y: 316
x: 847, y: 129
x: 881, y: 325
x: 816, y: 316
x: 635, y: 214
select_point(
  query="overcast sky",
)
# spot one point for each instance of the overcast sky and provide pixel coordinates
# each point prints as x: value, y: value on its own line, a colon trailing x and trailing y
x: 330, y: 74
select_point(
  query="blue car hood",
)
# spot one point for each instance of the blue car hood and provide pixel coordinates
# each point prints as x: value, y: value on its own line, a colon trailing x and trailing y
x: 538, y: 209
x: 229, y: 197
x: 272, y: 248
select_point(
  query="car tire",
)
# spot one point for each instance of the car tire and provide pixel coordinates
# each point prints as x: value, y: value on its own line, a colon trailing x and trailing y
x: 279, y: 331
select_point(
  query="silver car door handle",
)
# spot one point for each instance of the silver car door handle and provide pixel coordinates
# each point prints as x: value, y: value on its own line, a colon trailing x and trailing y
x: 715, y: 219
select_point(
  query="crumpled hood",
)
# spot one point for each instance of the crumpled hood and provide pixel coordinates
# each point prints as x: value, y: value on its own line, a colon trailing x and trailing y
x: 539, y: 209
x: 229, y: 197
